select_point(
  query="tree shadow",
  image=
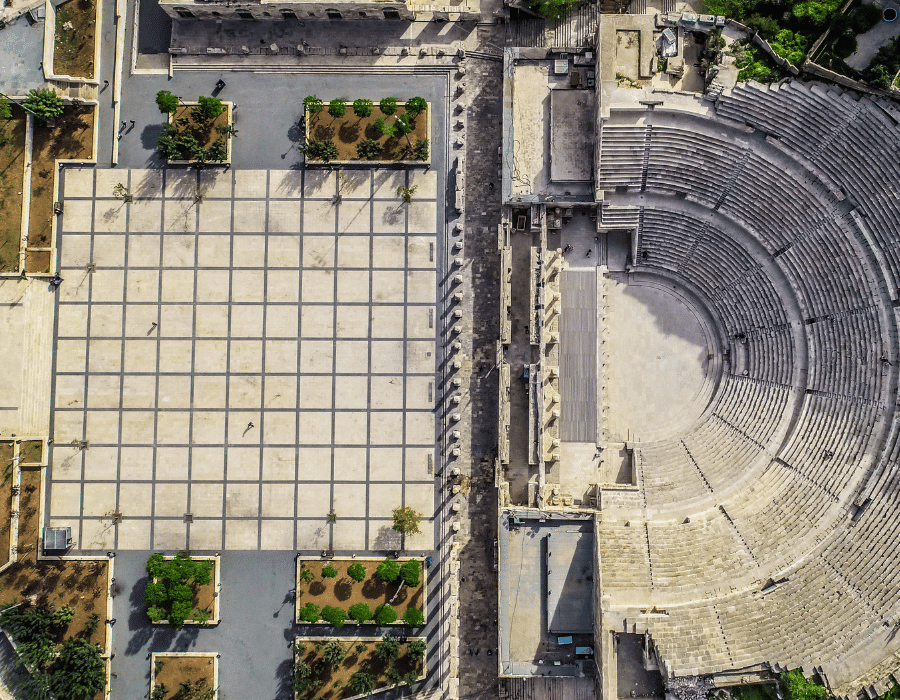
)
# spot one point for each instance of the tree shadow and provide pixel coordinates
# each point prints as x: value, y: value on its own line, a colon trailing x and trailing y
x: 317, y: 588
x: 373, y: 590
x: 343, y: 589
x: 322, y: 132
x: 349, y: 133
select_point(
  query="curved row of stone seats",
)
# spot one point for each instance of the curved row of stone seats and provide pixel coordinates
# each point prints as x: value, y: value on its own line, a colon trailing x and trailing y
x: 830, y: 440
x: 697, y: 551
x: 625, y: 546
x: 689, y: 639
x: 847, y: 355
x: 677, y: 163
x: 717, y: 452
x: 777, y: 510
x: 770, y: 355
x: 713, y: 262
x: 832, y: 128
x: 622, y: 149
x: 667, y: 474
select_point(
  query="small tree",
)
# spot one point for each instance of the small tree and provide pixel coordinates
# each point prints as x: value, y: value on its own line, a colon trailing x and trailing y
x: 388, y: 106
x: 313, y: 104
x: 307, y: 576
x: 337, y: 108
x: 368, y: 149
x: 208, y: 109
x: 403, y: 124
x: 160, y: 692
x: 356, y: 571
x: 406, y: 520
x: 360, y: 612
x: 91, y: 624
x: 387, y: 571
x: 44, y: 104
x: 410, y: 572
x: 415, y: 106
x: 362, y: 108
x: 385, y: 614
x: 167, y: 102
x: 218, y: 151
x: 361, y: 683
x: 334, y: 654
x: 388, y: 649
x: 5, y: 108
x: 384, y: 128
x: 414, y: 617
x: 410, y: 678
x: 309, y: 613
x: 302, y: 677
x: 415, y: 649
x: 334, y: 616
x: 329, y: 571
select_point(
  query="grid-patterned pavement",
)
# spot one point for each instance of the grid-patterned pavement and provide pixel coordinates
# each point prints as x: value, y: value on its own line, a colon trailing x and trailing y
x: 248, y: 349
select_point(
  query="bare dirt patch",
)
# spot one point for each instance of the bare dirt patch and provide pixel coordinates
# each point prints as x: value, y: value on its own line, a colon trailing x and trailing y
x: 73, y: 50
x: 12, y: 173
x: 79, y: 584
x: 70, y: 138
x: 349, y: 130
x: 174, y: 669
x: 361, y: 656
x: 342, y: 591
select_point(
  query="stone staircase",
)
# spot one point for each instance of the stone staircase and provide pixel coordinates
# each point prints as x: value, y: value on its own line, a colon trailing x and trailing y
x: 86, y: 92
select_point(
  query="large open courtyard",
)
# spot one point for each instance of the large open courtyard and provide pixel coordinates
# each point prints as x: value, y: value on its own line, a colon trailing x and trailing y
x: 241, y: 352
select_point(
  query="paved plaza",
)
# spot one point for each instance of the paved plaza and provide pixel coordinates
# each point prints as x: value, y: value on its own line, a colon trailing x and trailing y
x: 239, y: 352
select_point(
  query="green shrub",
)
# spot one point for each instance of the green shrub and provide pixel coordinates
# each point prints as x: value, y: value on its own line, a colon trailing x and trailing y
x: 307, y: 576
x: 817, y: 13
x: 91, y: 624
x: 385, y: 614
x: 179, y: 613
x: 361, y: 683
x: 360, y: 612
x: 411, y: 572
x: 420, y: 150
x: 415, y: 106
x: 356, y: 571
x: 789, y: 45
x: 5, y: 109
x: 403, y: 124
x: 337, y: 108
x: 166, y: 101
x: 78, y: 672
x: 367, y: 149
x: 551, y: 9
x: 388, y: 106
x: 796, y: 687
x: 334, y: 654
x: 414, y: 617
x: 362, y: 108
x: 766, y: 26
x: 309, y: 613
x: 313, y: 104
x: 334, y: 616
x: 329, y: 571
x: 387, y: 571
x: 384, y: 128
x: 326, y: 151
x: 388, y: 649
x: 170, y: 595
x: 864, y: 17
x: 218, y: 151
x: 415, y: 649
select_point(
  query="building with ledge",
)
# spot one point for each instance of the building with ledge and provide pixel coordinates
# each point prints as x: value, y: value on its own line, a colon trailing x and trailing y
x: 446, y: 10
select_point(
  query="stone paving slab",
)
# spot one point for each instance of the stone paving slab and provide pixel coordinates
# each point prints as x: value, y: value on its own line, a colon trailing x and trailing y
x: 229, y: 370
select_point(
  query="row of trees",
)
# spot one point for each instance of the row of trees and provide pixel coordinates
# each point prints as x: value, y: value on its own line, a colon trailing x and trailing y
x: 326, y: 150
x: 337, y: 108
x: 72, y: 670
x: 169, y: 594
x: 384, y: 614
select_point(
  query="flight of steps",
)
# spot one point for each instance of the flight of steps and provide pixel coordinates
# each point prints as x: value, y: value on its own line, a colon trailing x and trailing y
x: 76, y: 91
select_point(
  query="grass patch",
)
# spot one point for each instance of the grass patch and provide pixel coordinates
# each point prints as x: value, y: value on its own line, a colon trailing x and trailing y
x: 342, y: 591
x: 71, y: 137
x: 349, y: 130
x: 31, y: 451
x: 174, y: 669
x: 325, y: 682
x: 12, y: 172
